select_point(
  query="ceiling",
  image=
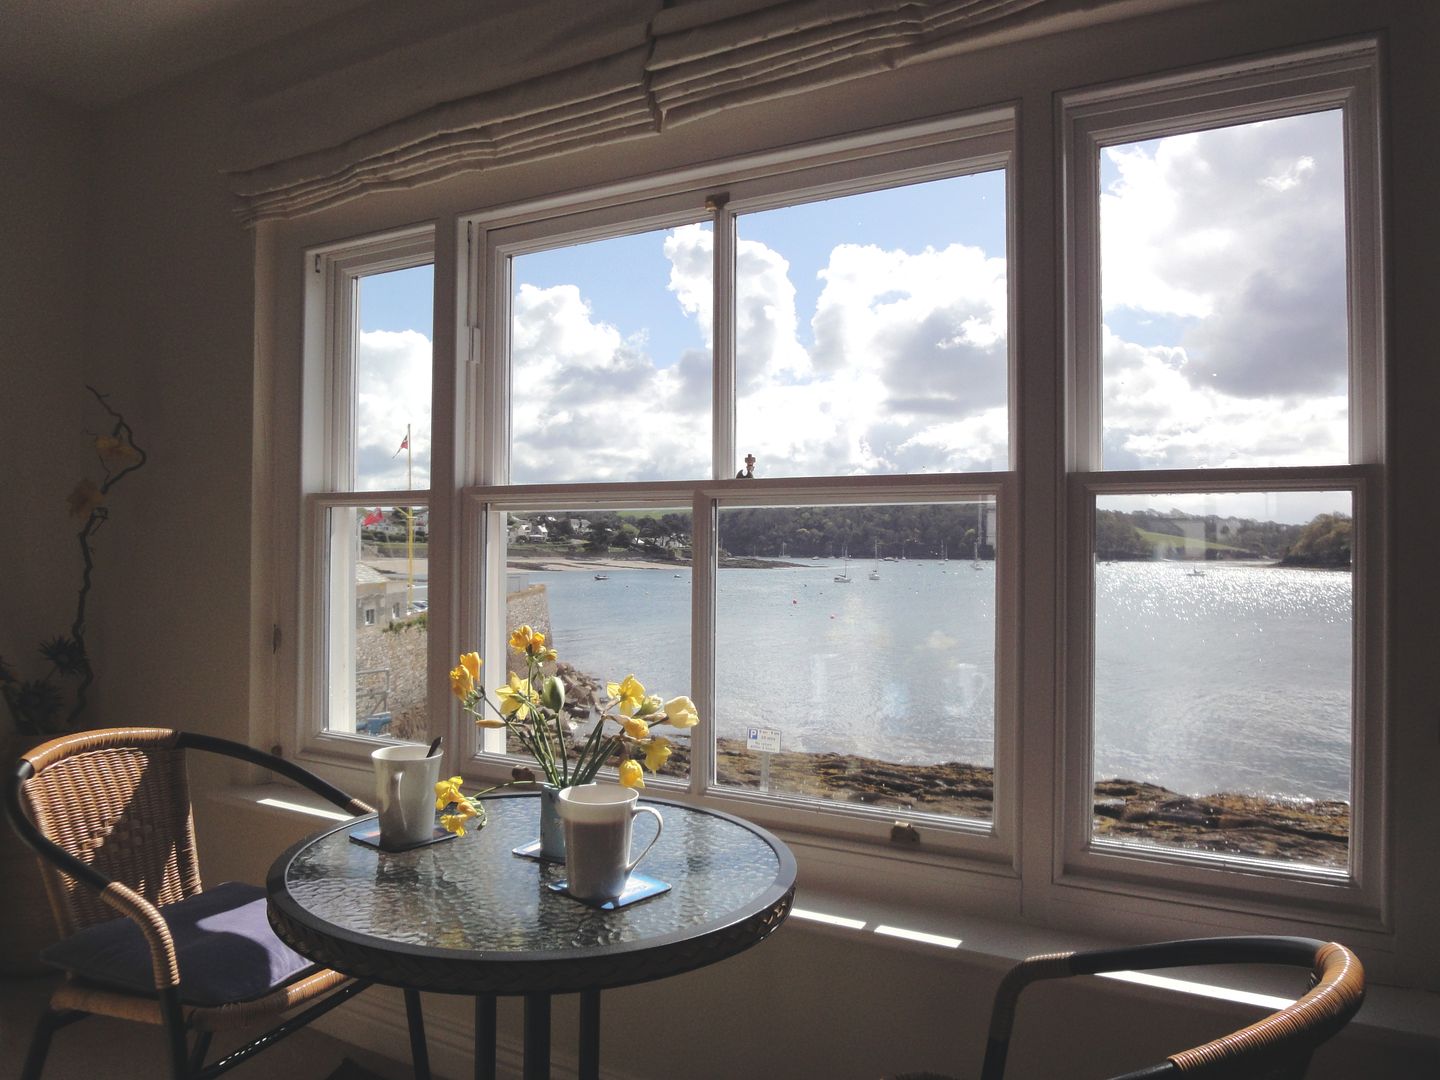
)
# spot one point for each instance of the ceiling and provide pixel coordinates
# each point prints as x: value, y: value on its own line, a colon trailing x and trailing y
x: 94, y: 53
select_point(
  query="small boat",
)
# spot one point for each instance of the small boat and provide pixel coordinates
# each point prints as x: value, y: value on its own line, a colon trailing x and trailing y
x: 602, y: 577
x: 1195, y: 573
x: 875, y: 570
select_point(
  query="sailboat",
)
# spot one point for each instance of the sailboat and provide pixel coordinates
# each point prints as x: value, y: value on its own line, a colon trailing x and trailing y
x: 843, y: 577
x: 875, y: 571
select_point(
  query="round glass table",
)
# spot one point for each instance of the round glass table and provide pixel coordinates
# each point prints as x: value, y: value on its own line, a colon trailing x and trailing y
x: 466, y: 915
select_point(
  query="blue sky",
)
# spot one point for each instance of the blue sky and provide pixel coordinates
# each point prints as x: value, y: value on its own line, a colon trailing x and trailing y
x: 399, y: 300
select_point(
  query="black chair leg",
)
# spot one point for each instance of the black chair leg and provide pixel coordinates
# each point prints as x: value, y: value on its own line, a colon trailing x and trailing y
x: 419, y: 1053
x: 175, y: 1034
x: 51, y: 1021
x: 199, y: 1050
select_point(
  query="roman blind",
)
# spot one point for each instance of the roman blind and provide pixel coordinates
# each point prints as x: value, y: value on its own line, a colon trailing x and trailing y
x: 521, y: 83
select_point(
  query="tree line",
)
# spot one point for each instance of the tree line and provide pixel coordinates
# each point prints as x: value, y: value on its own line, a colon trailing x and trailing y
x: 1149, y: 534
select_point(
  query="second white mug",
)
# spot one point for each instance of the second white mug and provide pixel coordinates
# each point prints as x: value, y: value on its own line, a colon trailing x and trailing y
x: 598, y: 821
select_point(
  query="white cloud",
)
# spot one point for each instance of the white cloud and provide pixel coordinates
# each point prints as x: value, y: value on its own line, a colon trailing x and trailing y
x: 392, y: 390
x: 1155, y: 417
x: 907, y: 371
x: 1237, y: 235
x: 588, y: 403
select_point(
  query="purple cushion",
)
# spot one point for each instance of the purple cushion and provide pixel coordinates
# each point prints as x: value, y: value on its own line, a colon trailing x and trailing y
x: 226, y: 949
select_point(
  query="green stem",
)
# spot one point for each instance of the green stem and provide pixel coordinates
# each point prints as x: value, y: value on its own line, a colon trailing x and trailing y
x: 588, y: 751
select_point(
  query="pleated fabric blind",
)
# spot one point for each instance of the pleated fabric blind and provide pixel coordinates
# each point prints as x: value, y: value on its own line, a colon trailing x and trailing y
x: 554, y: 76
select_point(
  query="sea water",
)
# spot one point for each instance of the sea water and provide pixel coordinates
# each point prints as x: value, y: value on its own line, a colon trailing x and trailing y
x: 1237, y: 678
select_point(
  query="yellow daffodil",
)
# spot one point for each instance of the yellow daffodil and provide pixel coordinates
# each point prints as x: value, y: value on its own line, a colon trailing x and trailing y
x: 628, y: 692
x: 454, y: 823
x: 657, y: 752
x: 516, y: 698
x: 680, y: 711
x: 631, y: 775
x: 448, y: 791
x: 462, y: 682
x: 531, y: 642
x: 115, y: 453
x: 85, y: 498
x: 533, y: 705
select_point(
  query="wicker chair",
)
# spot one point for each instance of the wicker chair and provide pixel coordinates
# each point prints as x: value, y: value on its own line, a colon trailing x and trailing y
x: 1277, y: 1047
x: 108, y: 812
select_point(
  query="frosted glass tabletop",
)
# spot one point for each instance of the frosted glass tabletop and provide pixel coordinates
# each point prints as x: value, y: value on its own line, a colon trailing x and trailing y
x: 467, y: 915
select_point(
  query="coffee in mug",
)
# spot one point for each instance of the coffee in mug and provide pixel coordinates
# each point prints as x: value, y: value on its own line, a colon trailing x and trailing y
x: 598, y: 821
x: 405, y: 779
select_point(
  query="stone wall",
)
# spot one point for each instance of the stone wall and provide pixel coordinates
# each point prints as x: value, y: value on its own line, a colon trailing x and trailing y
x: 398, y: 657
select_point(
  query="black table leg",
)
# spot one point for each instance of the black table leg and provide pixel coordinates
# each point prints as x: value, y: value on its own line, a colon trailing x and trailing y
x: 537, y: 1037
x: 419, y: 1053
x: 590, y: 1035
x: 484, y: 1037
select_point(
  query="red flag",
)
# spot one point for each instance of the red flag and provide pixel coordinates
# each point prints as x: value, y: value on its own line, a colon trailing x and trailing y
x: 404, y: 443
x: 375, y: 517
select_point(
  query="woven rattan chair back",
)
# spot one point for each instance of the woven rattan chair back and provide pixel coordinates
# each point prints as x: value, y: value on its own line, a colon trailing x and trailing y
x: 119, y: 801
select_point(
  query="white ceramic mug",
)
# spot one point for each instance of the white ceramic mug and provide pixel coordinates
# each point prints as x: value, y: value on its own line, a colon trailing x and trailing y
x: 405, y: 780
x: 598, y: 821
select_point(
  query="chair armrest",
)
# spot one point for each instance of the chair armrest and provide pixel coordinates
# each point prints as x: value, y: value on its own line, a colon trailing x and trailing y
x: 287, y: 769
x: 1335, y: 997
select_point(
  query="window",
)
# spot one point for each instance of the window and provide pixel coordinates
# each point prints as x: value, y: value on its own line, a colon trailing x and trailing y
x: 1224, y: 453
x: 755, y: 433
x: 736, y: 467
x: 368, y: 513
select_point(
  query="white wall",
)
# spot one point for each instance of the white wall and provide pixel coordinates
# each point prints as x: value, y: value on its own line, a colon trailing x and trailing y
x: 177, y: 326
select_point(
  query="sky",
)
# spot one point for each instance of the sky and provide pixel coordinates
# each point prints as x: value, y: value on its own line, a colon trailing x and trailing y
x: 871, y: 329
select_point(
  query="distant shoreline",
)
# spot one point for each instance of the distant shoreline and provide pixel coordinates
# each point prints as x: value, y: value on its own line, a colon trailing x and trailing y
x: 562, y: 563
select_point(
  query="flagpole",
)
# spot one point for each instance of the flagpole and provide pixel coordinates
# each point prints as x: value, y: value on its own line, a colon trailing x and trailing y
x: 409, y: 529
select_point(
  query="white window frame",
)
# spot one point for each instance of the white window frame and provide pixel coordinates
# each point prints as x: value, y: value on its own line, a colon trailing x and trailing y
x: 1342, y: 76
x: 954, y: 146
x: 1063, y: 870
x: 326, y: 685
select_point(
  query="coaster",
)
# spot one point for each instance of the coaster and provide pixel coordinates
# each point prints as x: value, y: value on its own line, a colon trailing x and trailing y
x: 638, y: 888
x: 369, y: 835
x: 532, y: 851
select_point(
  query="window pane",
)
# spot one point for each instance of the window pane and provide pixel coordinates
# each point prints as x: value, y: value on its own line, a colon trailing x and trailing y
x: 1224, y: 281
x: 392, y: 380
x: 378, y: 602
x: 871, y: 332
x: 855, y: 654
x: 610, y: 589
x: 610, y: 359
x: 1223, y: 673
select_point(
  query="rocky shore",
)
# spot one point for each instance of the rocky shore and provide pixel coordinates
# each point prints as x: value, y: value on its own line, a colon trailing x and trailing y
x: 1245, y: 825
x: 1292, y: 830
